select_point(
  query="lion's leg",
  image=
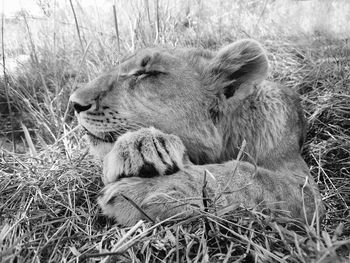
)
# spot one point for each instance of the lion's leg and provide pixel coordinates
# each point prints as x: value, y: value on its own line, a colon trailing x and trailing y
x: 164, y: 196
x: 159, y: 197
x: 291, y: 189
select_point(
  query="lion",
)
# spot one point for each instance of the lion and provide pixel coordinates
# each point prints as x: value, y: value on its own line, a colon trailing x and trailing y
x: 170, y: 122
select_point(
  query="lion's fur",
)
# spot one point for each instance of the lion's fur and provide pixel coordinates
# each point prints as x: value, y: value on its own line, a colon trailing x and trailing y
x: 212, y: 102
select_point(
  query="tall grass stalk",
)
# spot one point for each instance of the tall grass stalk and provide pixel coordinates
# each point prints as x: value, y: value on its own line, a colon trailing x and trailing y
x: 77, y: 25
x: 116, y: 27
x: 6, y: 80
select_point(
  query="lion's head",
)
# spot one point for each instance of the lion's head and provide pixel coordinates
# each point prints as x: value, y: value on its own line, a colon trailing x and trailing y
x: 186, y: 92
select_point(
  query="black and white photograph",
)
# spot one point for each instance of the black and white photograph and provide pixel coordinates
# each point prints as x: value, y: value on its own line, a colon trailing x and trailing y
x: 151, y: 131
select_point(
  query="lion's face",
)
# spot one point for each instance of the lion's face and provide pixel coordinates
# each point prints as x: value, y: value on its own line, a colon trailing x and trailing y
x: 152, y: 88
x: 176, y: 91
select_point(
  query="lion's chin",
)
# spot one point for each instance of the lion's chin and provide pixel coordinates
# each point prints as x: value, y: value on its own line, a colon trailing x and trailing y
x: 99, y: 144
x: 95, y: 138
x: 98, y: 148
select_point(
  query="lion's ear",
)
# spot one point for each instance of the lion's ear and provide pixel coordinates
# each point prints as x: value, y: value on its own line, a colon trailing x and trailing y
x: 237, y: 68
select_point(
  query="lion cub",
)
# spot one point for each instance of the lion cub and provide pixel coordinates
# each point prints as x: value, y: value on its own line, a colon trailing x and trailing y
x: 165, y: 118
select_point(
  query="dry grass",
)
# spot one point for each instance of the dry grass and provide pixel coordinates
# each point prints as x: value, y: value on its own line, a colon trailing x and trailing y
x: 48, y: 210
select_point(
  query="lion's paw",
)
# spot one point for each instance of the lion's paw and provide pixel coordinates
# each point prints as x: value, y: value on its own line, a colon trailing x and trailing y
x: 155, y: 197
x: 145, y: 153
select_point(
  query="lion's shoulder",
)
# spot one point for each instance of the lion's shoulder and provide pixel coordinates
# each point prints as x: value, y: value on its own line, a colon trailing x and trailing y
x: 271, y: 121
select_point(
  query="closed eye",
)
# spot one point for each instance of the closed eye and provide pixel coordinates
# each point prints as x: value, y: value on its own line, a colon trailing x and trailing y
x: 142, y: 74
x: 147, y: 73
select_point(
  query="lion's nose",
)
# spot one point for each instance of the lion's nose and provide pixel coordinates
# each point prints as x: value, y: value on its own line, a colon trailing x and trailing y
x: 80, y: 104
x: 79, y: 108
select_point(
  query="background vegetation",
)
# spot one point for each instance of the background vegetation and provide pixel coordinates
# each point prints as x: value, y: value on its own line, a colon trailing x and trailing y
x: 48, y: 184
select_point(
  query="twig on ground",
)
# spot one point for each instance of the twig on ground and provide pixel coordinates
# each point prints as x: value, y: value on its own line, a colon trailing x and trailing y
x: 138, y: 208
